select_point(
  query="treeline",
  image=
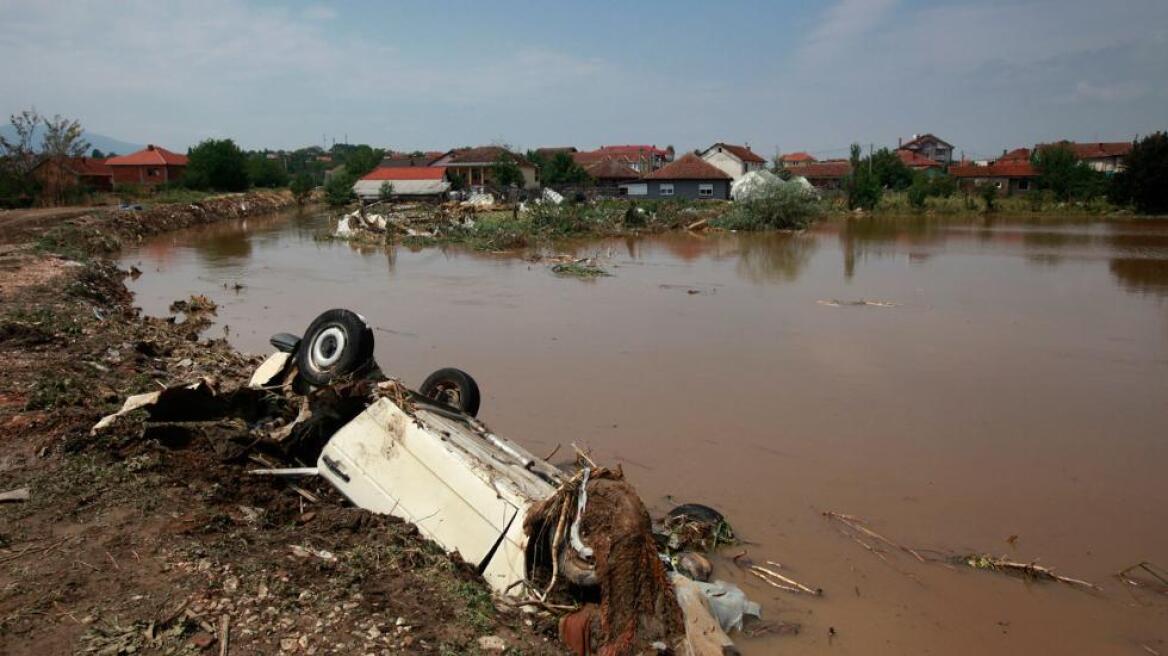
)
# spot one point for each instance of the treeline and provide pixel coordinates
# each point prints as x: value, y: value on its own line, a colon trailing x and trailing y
x: 1062, y: 178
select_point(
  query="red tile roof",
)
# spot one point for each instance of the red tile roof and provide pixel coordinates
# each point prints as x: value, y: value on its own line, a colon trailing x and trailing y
x: 916, y: 161
x: 590, y: 157
x: 406, y: 173
x: 743, y: 153
x: 797, y: 157
x: 149, y: 156
x: 689, y: 167
x: 1016, y: 155
x: 636, y: 149
x: 481, y: 155
x: 1095, y: 150
x: 920, y: 140
x: 611, y: 169
x: 997, y: 170
x: 829, y: 169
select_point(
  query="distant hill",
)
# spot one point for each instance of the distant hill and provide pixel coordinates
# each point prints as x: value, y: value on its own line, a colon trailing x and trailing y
x: 100, y: 141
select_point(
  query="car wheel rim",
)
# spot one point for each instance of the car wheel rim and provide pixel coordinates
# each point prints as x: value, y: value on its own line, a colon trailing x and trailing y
x: 328, y: 346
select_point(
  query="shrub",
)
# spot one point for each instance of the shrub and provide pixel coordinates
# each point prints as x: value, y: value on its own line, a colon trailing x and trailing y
x: 217, y: 164
x: 1145, y: 181
x: 339, y: 189
x: 780, y: 206
x: 385, y: 191
x: 302, y: 187
x: 989, y: 195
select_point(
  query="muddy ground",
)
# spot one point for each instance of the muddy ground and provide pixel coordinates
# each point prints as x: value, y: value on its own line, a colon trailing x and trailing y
x: 142, y: 541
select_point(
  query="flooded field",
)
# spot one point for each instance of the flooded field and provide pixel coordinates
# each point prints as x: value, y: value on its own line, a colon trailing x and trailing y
x: 1007, y: 394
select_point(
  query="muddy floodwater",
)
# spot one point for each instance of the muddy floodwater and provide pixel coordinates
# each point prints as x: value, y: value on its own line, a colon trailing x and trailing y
x: 1007, y: 394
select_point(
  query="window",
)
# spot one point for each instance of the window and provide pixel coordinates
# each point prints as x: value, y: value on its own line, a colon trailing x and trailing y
x: 152, y: 172
x: 705, y: 190
x: 636, y: 189
x: 665, y: 189
x: 1023, y: 185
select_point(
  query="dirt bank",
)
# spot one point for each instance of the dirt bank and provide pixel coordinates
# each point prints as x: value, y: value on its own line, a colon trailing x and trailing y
x: 136, y: 542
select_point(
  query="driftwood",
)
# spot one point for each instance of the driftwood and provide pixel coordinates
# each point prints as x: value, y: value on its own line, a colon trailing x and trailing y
x: 856, y: 525
x: 15, y: 496
x: 789, y: 583
x: 1027, y: 570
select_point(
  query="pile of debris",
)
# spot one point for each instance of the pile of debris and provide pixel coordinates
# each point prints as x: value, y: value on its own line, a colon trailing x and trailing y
x: 576, y: 550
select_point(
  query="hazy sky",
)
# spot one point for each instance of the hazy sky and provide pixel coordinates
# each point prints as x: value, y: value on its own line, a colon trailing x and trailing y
x: 799, y: 75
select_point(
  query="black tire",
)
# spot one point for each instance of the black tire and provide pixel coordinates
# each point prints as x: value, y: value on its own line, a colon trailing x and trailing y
x: 453, y: 387
x: 337, y: 343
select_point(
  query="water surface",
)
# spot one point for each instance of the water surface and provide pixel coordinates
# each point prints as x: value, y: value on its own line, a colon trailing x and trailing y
x: 1014, y: 385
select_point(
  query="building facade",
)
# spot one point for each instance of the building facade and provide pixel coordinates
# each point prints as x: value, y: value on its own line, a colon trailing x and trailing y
x: 735, y: 161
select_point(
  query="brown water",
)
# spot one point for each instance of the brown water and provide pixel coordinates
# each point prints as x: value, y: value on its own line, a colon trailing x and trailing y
x: 1019, y: 386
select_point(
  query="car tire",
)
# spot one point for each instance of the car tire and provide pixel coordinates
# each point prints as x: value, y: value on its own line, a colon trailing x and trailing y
x: 337, y: 343
x: 453, y: 387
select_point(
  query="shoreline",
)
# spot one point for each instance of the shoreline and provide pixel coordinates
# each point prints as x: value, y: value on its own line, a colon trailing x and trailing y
x: 152, y: 539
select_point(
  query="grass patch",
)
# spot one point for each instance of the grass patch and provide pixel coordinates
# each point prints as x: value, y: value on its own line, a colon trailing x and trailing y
x: 579, y: 270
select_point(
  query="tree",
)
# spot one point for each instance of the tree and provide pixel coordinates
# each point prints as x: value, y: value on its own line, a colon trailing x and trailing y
x: 457, y: 181
x: 63, y: 138
x: 338, y: 190
x: 1144, y: 181
x: 507, y: 172
x: 1061, y: 171
x: 265, y: 172
x: 385, y: 191
x: 862, y: 185
x: 19, y: 154
x: 216, y: 164
x: 989, y: 195
x: 362, y: 159
x: 302, y: 187
x: 563, y: 170
x: 890, y: 171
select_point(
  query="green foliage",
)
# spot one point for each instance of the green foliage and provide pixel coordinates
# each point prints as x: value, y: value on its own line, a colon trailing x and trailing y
x: 779, y: 206
x: 1144, y: 183
x: 385, y: 191
x: 97, y: 154
x: 989, y: 195
x: 925, y: 186
x: 19, y: 156
x: 457, y: 181
x: 890, y: 171
x: 62, y: 138
x: 265, y: 172
x: 563, y: 170
x: 507, y: 172
x: 359, y: 160
x: 338, y: 190
x: 302, y: 186
x: 217, y: 164
x: 1061, y: 171
x: 862, y: 185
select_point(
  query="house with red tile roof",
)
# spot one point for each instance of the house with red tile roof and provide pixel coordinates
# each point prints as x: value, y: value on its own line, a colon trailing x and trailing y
x: 62, y: 177
x: 644, y: 158
x: 826, y: 174
x: 930, y: 146
x: 610, y: 173
x: 918, y: 162
x: 1103, y: 156
x: 791, y: 160
x: 475, y: 165
x: 1010, y: 178
x: 690, y: 178
x: 405, y: 181
x: 151, y: 166
x: 735, y: 161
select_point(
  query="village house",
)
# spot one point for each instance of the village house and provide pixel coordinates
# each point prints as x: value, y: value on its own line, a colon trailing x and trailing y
x: 151, y: 166
x: 61, y: 177
x: 475, y: 165
x: 418, y: 158
x: 918, y: 162
x: 793, y: 160
x: 642, y: 158
x: 930, y: 146
x: 405, y: 181
x: 1010, y: 178
x: 689, y: 178
x: 735, y: 161
x: 828, y: 174
x: 609, y: 174
x: 1102, y: 156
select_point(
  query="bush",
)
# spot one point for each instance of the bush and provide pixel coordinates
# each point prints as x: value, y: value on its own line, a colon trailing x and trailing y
x: 1061, y: 171
x: 385, y: 191
x: 780, y: 206
x: 989, y: 195
x: 339, y: 189
x: 217, y: 164
x: 265, y: 172
x: 302, y: 187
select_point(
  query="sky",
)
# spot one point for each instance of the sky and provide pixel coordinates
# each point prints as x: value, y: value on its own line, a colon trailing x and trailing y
x: 409, y: 74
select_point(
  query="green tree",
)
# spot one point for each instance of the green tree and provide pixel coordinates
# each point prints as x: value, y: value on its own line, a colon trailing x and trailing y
x: 338, y: 190
x: 989, y: 195
x: 563, y: 170
x: 1144, y: 181
x: 507, y: 171
x: 385, y: 191
x: 862, y: 186
x: 302, y: 186
x: 1061, y: 171
x: 62, y: 138
x: 890, y: 171
x: 265, y: 172
x: 216, y: 164
x: 457, y: 181
x: 97, y: 154
x: 362, y: 159
x: 17, y: 159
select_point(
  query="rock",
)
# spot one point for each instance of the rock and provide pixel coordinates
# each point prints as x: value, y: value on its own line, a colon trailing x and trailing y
x: 492, y: 643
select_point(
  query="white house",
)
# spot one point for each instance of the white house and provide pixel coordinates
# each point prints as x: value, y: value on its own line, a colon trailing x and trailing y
x: 735, y: 161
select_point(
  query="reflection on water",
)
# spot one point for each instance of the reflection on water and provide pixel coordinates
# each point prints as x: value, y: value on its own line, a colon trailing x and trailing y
x: 1142, y: 276
x: 774, y: 257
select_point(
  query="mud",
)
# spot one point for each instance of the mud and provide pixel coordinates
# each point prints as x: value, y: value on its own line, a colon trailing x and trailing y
x: 153, y: 539
x: 1014, y: 387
